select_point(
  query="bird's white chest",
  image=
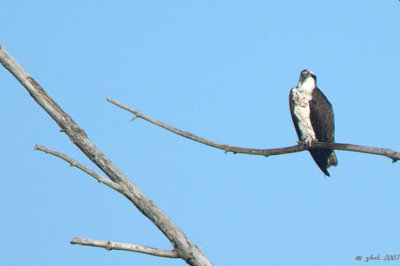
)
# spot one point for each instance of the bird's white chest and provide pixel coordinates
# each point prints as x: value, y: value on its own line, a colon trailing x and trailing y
x: 301, y: 110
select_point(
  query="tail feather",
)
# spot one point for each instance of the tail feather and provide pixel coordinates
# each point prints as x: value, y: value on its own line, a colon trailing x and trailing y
x: 324, y: 158
x: 332, y: 160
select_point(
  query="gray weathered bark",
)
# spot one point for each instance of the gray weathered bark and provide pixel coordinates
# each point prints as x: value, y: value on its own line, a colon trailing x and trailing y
x: 182, y: 246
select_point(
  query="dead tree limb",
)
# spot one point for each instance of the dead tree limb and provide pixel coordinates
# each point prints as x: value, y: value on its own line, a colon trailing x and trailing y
x: 182, y: 246
x: 265, y: 152
x: 110, y: 245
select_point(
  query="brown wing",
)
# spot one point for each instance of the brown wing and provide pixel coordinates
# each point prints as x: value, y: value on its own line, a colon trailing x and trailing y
x: 321, y: 115
x: 322, y: 120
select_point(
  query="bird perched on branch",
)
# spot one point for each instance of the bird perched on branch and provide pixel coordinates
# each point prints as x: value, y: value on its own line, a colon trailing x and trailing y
x: 313, y: 119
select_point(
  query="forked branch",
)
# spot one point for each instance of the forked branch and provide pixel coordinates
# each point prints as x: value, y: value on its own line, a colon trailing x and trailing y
x: 265, y: 152
x: 182, y: 246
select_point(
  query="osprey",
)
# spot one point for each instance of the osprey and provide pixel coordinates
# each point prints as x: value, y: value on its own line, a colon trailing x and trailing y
x: 313, y: 119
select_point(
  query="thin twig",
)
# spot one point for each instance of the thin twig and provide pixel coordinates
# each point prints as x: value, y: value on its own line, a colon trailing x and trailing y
x: 265, y: 152
x: 80, y: 166
x: 226, y: 148
x: 110, y: 245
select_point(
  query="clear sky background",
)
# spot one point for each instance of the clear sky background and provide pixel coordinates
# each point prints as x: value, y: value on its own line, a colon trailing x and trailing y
x: 221, y: 70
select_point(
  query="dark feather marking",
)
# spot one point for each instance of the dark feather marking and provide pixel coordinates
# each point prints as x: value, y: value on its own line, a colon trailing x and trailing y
x: 322, y: 120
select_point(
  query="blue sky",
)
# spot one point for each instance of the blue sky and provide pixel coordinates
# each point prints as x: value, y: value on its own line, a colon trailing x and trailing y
x: 221, y: 70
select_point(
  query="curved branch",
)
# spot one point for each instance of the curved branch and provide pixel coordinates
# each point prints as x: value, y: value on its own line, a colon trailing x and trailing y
x: 265, y: 152
x: 110, y: 245
x: 184, y: 248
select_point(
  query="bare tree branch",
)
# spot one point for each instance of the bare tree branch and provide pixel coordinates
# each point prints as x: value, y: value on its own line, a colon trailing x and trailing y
x: 110, y: 245
x: 80, y: 166
x: 265, y: 152
x: 183, y: 247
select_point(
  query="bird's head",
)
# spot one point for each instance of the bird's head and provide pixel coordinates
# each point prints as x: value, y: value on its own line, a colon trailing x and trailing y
x: 307, y: 78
